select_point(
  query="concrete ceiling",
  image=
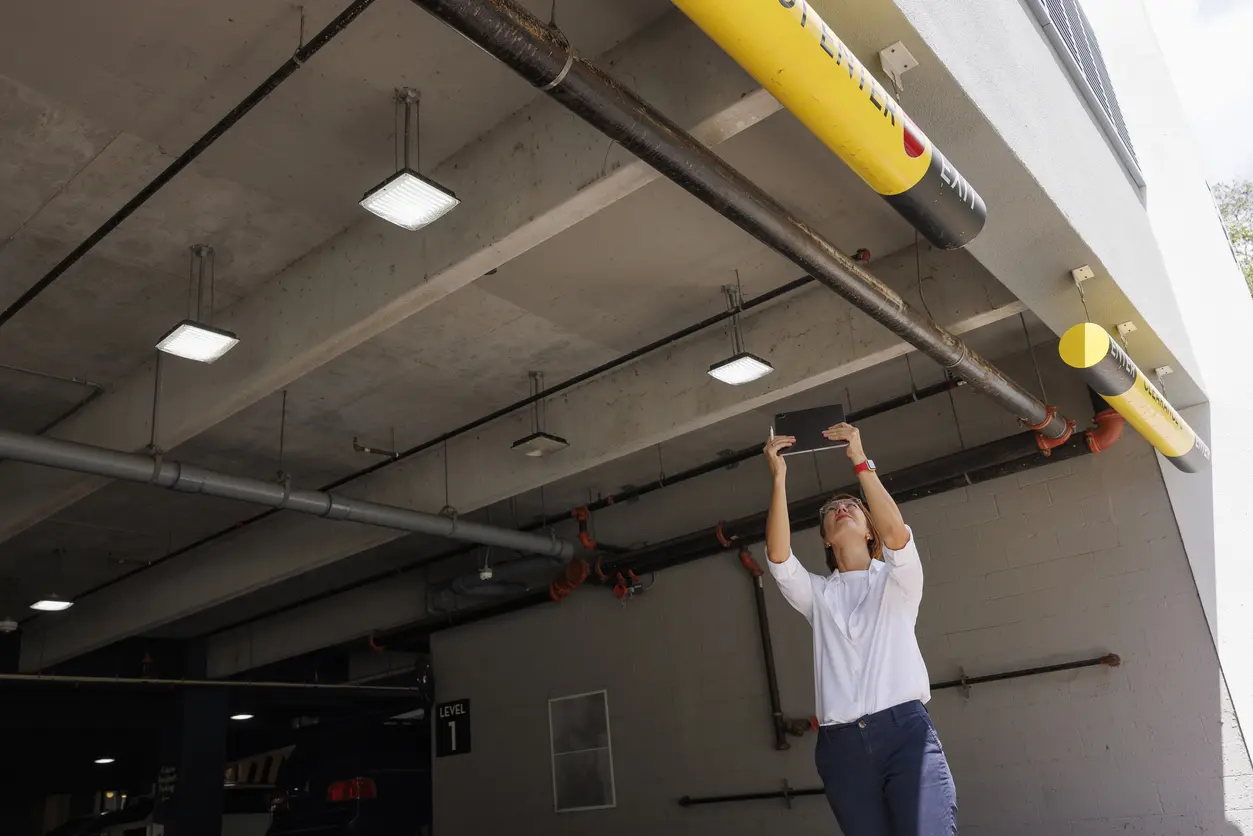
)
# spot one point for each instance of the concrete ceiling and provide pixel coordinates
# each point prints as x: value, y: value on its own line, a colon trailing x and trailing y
x: 645, y: 267
x: 645, y: 262
x: 79, y: 137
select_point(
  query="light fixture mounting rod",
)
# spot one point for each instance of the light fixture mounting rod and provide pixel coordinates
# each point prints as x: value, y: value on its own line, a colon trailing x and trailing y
x: 202, y: 261
x: 410, y: 99
x: 537, y: 407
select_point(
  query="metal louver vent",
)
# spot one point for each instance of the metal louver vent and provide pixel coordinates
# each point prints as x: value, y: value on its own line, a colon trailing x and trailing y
x: 1071, y: 34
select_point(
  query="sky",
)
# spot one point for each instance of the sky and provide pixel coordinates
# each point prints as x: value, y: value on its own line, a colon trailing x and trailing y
x: 1212, y: 40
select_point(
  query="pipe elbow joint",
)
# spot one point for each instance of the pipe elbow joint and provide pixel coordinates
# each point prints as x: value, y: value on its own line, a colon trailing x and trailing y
x: 1108, y: 430
x: 754, y: 568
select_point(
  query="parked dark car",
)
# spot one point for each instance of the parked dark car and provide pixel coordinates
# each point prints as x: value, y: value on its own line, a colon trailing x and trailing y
x: 371, y: 780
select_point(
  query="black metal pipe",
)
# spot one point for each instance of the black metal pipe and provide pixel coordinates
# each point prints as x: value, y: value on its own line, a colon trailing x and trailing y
x: 966, y: 467
x: 50, y: 376
x: 754, y: 451
x: 785, y: 794
x: 583, y: 377
x: 635, y: 492
x: 1004, y: 457
x: 756, y: 301
x: 96, y: 391
x: 1111, y: 660
x: 772, y: 679
x: 541, y: 54
x: 303, y: 54
x: 74, y: 408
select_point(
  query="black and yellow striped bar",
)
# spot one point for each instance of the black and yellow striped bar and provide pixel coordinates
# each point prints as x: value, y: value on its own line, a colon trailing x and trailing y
x: 1113, y: 376
x: 792, y: 53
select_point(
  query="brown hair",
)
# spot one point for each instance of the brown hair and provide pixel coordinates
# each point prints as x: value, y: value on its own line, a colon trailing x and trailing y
x: 874, y: 546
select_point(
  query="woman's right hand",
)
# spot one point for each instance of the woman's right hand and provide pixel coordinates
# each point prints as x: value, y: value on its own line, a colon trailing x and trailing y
x: 776, y: 445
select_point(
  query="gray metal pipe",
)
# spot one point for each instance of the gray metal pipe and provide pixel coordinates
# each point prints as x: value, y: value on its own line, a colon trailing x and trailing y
x: 230, y: 684
x: 541, y: 55
x: 133, y: 467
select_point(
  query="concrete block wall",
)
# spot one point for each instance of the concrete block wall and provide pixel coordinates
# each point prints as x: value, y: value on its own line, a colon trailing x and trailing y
x: 1068, y: 561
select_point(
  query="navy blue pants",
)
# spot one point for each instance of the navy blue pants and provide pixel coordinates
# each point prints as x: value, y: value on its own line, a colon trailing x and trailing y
x: 886, y: 775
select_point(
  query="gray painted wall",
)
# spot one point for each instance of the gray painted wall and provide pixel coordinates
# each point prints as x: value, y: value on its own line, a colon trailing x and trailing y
x: 1067, y: 561
x: 1164, y: 249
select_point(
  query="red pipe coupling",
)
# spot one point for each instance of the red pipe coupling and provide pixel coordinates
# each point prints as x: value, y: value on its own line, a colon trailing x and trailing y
x: 585, y: 536
x: 1046, y: 444
x: 571, y: 578
x: 723, y: 539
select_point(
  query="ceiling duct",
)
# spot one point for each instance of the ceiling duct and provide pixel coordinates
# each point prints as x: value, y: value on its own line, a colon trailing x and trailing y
x: 132, y: 467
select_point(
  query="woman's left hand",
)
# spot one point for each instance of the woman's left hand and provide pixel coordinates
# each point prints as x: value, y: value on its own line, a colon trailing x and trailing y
x: 849, y: 433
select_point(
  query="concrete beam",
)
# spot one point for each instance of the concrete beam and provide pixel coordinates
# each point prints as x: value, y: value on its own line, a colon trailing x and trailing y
x: 812, y: 337
x: 352, y: 615
x: 538, y: 173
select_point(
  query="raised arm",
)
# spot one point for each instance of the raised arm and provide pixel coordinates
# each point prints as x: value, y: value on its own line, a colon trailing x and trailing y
x: 883, y: 508
x: 795, y: 583
x: 778, y: 525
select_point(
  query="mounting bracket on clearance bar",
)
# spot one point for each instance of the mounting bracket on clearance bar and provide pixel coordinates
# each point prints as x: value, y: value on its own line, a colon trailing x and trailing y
x: 1115, y: 377
x: 897, y: 60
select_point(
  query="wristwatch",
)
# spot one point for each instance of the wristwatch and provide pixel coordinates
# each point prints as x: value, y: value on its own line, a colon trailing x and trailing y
x: 868, y: 464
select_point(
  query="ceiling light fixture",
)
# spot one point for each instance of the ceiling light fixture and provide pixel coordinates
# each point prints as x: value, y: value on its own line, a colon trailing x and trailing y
x: 53, y: 603
x: 539, y: 443
x: 241, y: 717
x: 194, y: 338
x: 104, y: 761
x: 408, y: 199
x: 741, y: 367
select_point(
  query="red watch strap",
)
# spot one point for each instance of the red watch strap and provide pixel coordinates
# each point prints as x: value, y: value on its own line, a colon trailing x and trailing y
x: 863, y: 467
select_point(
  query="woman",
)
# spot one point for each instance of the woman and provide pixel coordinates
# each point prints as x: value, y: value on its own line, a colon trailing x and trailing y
x: 881, y: 763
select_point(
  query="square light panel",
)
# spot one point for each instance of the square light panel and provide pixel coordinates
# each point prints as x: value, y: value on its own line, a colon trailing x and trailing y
x: 540, y: 444
x: 409, y: 200
x: 53, y: 604
x: 196, y: 341
x: 740, y: 369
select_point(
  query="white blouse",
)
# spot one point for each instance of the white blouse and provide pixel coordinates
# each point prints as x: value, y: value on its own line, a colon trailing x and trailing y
x: 866, y: 656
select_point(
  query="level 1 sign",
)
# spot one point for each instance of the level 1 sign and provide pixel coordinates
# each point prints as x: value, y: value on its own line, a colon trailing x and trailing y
x: 452, y: 728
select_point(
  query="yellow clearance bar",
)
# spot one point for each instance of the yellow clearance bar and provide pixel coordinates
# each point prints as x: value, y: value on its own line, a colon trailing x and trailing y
x: 791, y: 51
x: 1116, y: 378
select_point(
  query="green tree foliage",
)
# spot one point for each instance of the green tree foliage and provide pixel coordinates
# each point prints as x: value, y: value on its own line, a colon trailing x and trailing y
x: 1235, y: 205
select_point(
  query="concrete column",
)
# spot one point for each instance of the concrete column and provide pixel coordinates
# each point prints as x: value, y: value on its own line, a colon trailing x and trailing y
x: 195, y: 749
x: 10, y: 651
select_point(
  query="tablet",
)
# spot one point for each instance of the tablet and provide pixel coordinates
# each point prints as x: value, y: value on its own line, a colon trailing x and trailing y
x: 808, y: 426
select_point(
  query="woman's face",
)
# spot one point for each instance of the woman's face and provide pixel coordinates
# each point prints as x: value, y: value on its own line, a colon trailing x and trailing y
x: 843, y: 519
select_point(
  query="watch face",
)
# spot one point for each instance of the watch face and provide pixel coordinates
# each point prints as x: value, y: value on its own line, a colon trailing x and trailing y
x: 870, y: 464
